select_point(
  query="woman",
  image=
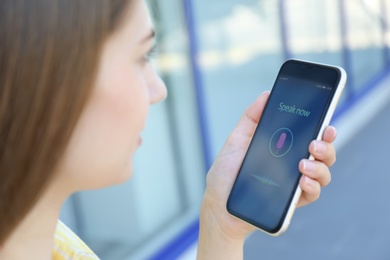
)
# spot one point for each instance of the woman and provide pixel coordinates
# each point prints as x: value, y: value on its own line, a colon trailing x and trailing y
x: 75, y: 87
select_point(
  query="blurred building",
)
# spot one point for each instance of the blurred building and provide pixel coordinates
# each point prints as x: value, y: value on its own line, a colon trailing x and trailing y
x: 216, y: 57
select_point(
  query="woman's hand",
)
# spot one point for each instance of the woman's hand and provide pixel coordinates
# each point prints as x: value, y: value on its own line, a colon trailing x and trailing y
x: 218, y: 229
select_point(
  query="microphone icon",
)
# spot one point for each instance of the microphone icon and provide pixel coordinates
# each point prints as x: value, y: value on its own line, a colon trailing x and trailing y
x: 281, y: 142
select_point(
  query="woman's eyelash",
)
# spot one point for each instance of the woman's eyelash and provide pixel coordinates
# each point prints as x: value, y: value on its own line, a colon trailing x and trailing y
x: 152, y: 53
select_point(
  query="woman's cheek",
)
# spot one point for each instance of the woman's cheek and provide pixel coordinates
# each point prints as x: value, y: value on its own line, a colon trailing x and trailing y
x: 107, y: 134
x: 125, y: 106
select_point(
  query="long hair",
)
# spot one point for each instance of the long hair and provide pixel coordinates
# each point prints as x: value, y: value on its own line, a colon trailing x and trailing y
x: 49, y: 54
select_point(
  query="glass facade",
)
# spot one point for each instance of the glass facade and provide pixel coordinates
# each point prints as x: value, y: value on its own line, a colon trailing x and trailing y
x: 364, y: 39
x: 216, y: 57
x: 237, y: 61
x: 316, y: 33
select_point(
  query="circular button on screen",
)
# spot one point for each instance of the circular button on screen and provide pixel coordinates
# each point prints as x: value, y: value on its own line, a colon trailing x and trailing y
x: 281, y: 142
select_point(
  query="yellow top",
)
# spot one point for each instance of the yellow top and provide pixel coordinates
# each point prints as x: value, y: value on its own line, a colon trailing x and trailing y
x: 67, y: 245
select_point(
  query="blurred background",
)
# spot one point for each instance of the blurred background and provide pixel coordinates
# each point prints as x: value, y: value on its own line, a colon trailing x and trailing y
x: 216, y: 57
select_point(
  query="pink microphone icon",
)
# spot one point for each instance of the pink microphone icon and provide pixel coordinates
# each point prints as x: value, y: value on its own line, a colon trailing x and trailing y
x: 281, y: 142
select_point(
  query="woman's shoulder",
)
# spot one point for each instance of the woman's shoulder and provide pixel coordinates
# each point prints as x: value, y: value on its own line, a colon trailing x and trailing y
x: 67, y: 245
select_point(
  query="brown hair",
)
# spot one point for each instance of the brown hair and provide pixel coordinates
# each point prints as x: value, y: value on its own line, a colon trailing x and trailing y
x: 49, y: 53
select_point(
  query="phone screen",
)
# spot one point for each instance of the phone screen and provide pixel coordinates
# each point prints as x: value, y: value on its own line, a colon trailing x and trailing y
x: 293, y: 116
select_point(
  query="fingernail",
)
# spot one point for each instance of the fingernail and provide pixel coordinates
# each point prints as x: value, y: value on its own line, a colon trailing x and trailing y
x: 309, y: 165
x: 334, y: 132
x: 319, y: 147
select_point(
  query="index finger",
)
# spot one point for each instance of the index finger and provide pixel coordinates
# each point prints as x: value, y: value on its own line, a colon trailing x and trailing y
x: 330, y: 134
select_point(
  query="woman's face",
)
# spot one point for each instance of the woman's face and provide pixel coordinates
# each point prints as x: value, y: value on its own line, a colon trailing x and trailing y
x: 108, y: 133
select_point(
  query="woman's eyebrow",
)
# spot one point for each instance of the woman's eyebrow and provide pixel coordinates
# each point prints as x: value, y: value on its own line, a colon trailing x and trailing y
x: 150, y: 36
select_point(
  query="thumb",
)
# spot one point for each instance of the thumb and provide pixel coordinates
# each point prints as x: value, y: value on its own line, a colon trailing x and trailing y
x: 225, y: 167
x: 233, y: 152
x: 247, y: 124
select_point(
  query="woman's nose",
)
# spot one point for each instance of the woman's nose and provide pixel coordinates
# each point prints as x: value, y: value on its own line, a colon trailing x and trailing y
x: 157, y: 88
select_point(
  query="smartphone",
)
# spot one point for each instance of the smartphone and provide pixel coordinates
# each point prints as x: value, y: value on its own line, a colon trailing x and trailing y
x: 301, y: 104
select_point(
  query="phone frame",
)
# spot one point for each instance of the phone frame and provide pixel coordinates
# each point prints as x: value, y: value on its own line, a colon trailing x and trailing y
x: 328, y: 116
